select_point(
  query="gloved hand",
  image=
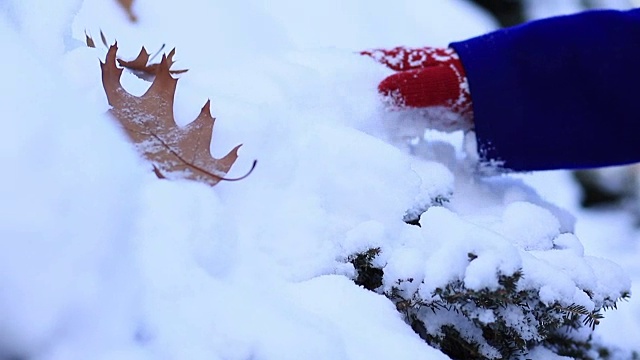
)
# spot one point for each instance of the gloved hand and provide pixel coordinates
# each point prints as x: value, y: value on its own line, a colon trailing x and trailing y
x: 427, y: 77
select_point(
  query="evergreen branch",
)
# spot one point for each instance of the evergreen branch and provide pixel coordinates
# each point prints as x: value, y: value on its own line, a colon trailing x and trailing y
x: 591, y: 318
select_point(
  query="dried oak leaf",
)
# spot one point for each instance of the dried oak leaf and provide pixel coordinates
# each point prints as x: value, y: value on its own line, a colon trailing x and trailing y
x: 175, y: 152
x: 140, y: 65
x: 89, y: 40
x: 127, y: 6
x: 141, y: 68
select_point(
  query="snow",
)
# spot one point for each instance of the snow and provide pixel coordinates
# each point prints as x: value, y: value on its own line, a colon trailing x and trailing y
x: 69, y: 207
x: 335, y: 300
x: 529, y: 235
x: 101, y: 260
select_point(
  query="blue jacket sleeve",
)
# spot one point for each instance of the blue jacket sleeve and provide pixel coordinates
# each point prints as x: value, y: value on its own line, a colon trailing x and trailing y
x: 558, y: 93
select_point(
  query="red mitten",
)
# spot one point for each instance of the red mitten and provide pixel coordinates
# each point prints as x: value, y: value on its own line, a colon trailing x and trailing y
x: 426, y: 77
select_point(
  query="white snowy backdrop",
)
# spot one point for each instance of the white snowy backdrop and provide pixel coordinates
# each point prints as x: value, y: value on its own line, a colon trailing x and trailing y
x: 100, y: 260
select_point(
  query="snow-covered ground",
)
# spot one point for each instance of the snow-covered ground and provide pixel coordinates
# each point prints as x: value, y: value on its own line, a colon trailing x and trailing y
x: 101, y: 260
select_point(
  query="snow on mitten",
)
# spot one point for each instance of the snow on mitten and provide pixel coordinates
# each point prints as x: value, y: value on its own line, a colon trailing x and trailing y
x: 426, y: 77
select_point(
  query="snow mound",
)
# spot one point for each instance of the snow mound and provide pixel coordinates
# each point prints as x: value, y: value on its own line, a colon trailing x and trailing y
x: 69, y: 208
x: 99, y: 259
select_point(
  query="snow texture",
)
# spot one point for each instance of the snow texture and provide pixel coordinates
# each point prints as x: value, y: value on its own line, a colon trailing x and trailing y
x: 100, y: 260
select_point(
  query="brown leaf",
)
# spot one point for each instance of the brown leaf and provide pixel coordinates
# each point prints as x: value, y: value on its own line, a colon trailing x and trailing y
x: 91, y: 43
x: 175, y: 152
x: 127, y: 6
x: 103, y: 38
x: 89, y: 40
x: 140, y: 65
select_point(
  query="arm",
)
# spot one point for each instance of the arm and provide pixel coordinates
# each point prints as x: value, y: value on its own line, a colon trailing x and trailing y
x: 551, y: 94
x: 557, y: 93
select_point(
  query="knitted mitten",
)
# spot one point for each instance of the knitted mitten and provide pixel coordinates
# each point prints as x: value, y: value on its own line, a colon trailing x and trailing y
x: 426, y: 77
